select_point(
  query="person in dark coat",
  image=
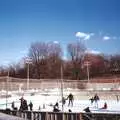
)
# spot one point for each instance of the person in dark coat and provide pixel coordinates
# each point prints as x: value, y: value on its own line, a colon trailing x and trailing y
x: 70, y: 98
x: 87, y: 115
x: 92, y: 100
x: 31, y: 106
x: 23, y: 104
x: 69, y: 110
x: 63, y: 101
x: 56, y: 107
x: 13, y: 105
x: 96, y: 98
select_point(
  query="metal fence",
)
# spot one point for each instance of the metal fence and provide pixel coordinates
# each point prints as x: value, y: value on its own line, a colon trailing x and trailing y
x: 37, y: 115
x: 94, y: 84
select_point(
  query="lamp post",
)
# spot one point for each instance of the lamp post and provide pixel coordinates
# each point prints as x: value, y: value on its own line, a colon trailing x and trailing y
x: 28, y: 80
x: 7, y: 88
x: 28, y: 62
x: 87, y: 64
x: 62, y: 88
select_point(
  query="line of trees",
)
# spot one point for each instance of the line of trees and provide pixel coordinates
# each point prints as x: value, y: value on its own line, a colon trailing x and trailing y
x: 46, y: 60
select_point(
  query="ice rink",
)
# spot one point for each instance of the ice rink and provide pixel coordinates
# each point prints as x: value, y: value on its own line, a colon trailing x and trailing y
x: 45, y: 100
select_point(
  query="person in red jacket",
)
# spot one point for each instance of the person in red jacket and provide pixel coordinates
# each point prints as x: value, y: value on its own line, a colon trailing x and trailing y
x: 105, y: 106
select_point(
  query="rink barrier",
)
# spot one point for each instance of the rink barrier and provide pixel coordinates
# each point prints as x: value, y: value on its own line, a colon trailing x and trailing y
x: 38, y: 115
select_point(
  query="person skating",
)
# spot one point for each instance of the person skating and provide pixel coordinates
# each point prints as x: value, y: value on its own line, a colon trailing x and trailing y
x: 63, y: 101
x: 23, y: 104
x: 92, y: 100
x: 13, y: 105
x: 31, y: 106
x: 96, y: 99
x: 56, y: 107
x: 88, y: 114
x: 70, y: 98
x: 105, y: 106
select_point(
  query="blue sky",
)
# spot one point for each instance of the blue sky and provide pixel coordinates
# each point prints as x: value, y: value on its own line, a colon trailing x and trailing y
x: 95, y: 22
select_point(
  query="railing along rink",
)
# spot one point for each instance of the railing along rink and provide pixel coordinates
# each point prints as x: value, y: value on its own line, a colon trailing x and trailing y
x: 38, y: 115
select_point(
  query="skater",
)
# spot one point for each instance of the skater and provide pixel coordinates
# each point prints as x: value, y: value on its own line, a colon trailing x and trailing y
x: 69, y: 110
x: 71, y: 98
x: 96, y: 98
x: 13, y: 105
x: 105, y: 106
x: 23, y: 104
x: 88, y: 115
x: 56, y: 107
x: 31, y: 106
x: 63, y: 101
x: 92, y: 100
x: 117, y: 98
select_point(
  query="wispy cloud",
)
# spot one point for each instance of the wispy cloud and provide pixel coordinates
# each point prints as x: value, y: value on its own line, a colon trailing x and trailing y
x: 106, y: 38
x: 92, y: 51
x: 56, y: 42
x: 84, y: 36
x: 95, y: 52
x: 6, y: 63
x: 23, y: 52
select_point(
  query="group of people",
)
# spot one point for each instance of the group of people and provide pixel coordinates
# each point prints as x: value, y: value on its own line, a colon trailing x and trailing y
x: 23, y: 105
x: 70, y: 97
x: 56, y: 108
x: 88, y: 115
x: 96, y: 99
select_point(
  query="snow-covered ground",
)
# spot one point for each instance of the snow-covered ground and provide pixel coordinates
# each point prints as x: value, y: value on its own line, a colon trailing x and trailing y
x: 44, y: 99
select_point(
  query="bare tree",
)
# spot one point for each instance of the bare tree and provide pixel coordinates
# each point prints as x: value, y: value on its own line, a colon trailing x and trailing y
x: 97, y: 64
x: 38, y: 52
x: 75, y: 54
x: 2, y: 71
x: 115, y: 63
x: 54, y: 59
x: 54, y: 49
x: 46, y: 59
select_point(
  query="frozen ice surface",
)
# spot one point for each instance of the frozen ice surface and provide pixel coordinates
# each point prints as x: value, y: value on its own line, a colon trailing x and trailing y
x: 45, y: 99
